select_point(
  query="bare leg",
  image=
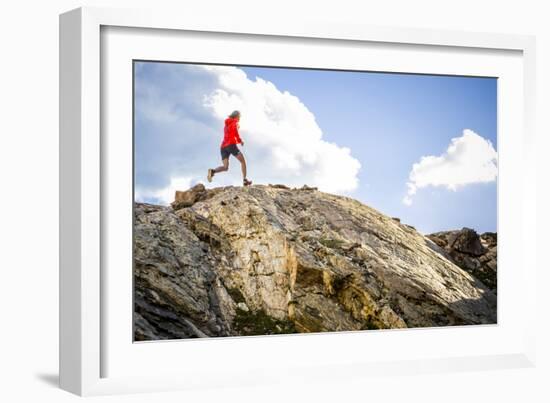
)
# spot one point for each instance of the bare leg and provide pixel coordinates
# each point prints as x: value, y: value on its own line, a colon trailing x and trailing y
x: 223, y: 167
x: 240, y: 157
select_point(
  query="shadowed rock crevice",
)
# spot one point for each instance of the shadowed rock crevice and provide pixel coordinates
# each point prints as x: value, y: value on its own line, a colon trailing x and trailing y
x: 269, y: 260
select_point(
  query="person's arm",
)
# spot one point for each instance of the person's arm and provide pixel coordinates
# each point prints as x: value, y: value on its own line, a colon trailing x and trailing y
x: 237, y: 136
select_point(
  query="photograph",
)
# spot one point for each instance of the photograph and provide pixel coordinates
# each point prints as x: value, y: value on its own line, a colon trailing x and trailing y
x: 281, y: 200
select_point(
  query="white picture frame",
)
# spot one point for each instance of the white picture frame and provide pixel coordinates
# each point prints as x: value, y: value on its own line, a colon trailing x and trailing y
x: 86, y: 345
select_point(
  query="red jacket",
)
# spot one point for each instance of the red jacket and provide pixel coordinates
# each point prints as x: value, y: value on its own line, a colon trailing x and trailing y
x: 231, y: 132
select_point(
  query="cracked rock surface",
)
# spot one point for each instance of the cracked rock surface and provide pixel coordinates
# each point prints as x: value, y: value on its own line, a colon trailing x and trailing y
x: 269, y: 259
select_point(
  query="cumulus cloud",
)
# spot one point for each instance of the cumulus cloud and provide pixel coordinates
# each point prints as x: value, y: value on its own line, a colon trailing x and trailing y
x: 180, y: 111
x: 469, y: 159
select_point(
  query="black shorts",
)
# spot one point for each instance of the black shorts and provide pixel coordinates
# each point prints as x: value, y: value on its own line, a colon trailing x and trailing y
x: 231, y: 149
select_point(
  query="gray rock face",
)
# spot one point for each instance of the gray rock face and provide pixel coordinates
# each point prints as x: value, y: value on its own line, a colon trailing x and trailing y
x: 267, y: 260
x: 477, y: 254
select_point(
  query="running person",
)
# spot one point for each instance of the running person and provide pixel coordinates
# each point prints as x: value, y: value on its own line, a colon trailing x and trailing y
x: 229, y: 147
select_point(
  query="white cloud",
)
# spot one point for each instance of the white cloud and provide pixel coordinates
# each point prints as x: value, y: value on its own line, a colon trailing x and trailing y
x: 180, y: 111
x: 469, y: 159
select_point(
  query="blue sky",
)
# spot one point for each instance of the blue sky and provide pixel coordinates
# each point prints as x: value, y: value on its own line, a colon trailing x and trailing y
x: 384, y: 123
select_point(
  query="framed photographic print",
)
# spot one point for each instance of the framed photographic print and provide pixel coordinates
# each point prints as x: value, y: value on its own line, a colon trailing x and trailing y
x: 320, y: 198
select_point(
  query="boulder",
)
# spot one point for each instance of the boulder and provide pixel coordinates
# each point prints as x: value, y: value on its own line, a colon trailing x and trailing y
x: 188, y: 197
x: 466, y: 241
x: 306, y: 187
x: 279, y: 186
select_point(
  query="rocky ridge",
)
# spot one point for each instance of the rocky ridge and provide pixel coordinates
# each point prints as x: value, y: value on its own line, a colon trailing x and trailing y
x: 477, y: 254
x: 269, y: 259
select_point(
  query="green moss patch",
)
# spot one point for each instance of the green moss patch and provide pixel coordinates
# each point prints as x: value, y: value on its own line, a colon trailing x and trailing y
x: 259, y: 323
x: 372, y: 324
